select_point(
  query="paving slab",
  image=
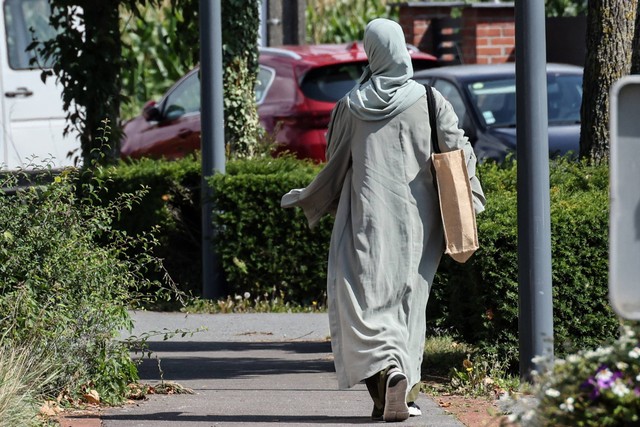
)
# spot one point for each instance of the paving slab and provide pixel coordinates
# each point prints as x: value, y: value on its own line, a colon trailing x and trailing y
x: 249, y: 369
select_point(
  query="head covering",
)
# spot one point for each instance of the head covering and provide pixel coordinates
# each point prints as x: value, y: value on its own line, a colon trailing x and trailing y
x: 385, y: 88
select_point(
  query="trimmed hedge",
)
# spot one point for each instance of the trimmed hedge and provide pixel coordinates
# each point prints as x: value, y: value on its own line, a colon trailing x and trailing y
x: 265, y: 249
x: 479, y: 300
x: 171, y: 207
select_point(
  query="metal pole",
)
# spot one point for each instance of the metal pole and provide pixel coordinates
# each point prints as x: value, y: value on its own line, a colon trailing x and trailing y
x: 534, y: 223
x: 212, y: 128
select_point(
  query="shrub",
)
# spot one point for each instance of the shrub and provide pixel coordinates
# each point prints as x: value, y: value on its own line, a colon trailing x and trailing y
x: 479, y: 300
x: 170, y: 205
x: 593, y: 387
x: 61, y: 291
x: 264, y: 248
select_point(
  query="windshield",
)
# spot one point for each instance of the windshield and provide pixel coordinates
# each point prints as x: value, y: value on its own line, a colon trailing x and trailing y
x: 496, y: 100
x: 332, y: 82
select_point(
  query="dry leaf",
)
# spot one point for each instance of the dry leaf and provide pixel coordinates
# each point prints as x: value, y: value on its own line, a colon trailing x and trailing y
x: 92, y: 396
x: 444, y: 404
x: 50, y: 408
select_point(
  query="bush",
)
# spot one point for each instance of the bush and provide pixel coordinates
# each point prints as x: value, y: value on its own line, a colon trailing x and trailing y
x: 265, y: 249
x: 593, y: 387
x: 61, y: 292
x: 479, y: 300
x: 170, y: 205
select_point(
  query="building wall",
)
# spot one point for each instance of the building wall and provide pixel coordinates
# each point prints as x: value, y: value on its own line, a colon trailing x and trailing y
x: 484, y: 33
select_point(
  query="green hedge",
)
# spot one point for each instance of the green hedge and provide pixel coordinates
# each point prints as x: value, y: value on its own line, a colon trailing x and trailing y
x: 479, y: 300
x: 171, y: 207
x: 265, y: 249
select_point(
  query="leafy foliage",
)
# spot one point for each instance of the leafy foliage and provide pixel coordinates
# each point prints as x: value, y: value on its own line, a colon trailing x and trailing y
x: 479, y: 300
x: 170, y: 207
x: 63, y: 293
x: 265, y: 249
x: 86, y: 58
x: 593, y: 387
x: 341, y: 21
x: 152, y: 63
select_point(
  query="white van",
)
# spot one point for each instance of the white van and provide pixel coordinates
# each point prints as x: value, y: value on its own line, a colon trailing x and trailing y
x: 32, y: 119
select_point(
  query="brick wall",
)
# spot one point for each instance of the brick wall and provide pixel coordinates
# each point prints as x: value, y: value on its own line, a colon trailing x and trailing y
x: 474, y: 33
x: 488, y: 35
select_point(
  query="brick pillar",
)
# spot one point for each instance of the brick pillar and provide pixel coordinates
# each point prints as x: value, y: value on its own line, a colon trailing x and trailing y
x: 488, y: 34
x: 417, y: 24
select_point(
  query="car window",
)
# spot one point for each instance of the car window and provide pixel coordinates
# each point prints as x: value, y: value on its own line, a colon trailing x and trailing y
x: 24, y: 21
x: 263, y: 82
x: 423, y: 64
x: 184, y: 98
x: 452, y: 94
x: 496, y: 101
x: 330, y: 83
x: 564, y: 98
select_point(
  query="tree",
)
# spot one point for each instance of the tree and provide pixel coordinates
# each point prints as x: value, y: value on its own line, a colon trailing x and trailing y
x: 87, y: 61
x: 610, y: 33
x: 635, y: 55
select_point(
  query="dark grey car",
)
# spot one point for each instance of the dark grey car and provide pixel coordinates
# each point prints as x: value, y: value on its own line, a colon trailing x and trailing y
x: 483, y: 97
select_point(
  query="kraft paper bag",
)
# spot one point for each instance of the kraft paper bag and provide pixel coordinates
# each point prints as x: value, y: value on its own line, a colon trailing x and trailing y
x: 456, y: 205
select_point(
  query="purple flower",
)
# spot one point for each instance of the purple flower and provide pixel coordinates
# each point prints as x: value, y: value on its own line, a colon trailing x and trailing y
x: 602, y: 380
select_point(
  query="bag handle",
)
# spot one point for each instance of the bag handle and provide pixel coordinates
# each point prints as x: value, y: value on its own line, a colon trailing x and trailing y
x: 431, y: 106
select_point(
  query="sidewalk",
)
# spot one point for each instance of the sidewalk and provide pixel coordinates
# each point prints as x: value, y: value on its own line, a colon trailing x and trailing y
x: 250, y: 369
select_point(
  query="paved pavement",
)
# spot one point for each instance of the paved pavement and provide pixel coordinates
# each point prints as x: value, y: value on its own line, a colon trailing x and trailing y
x: 249, y: 369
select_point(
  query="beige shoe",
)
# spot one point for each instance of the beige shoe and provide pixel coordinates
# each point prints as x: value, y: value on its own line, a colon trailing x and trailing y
x: 395, y: 405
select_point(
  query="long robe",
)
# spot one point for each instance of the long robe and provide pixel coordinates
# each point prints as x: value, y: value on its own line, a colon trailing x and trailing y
x: 387, y: 237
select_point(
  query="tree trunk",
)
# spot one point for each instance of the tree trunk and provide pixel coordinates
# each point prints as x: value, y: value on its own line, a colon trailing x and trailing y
x: 610, y: 31
x: 635, y: 56
x: 103, y: 60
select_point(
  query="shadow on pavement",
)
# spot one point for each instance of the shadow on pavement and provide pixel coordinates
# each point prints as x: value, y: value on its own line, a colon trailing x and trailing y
x: 257, y: 419
x: 181, y: 361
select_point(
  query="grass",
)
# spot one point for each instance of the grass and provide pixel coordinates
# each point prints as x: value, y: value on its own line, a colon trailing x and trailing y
x: 454, y: 367
x: 246, y: 304
x: 24, y: 375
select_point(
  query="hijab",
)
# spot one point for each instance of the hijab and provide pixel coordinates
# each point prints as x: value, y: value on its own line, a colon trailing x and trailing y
x: 385, y: 89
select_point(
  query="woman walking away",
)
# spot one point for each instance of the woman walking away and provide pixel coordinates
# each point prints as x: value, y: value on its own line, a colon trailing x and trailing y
x: 387, y: 238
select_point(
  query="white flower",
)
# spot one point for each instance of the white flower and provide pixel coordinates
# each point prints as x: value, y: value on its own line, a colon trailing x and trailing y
x: 604, y: 375
x: 552, y: 392
x: 573, y: 358
x: 247, y: 295
x: 593, y: 354
x: 622, y: 366
x: 638, y: 378
x: 529, y: 415
x: 619, y: 389
x: 567, y: 406
x: 635, y: 353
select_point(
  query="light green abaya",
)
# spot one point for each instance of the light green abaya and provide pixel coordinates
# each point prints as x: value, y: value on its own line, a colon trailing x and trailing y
x: 387, y: 238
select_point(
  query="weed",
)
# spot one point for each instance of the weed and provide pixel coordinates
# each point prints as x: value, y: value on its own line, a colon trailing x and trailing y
x: 245, y: 304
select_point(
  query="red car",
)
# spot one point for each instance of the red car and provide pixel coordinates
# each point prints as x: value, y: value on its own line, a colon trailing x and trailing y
x: 296, y: 89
